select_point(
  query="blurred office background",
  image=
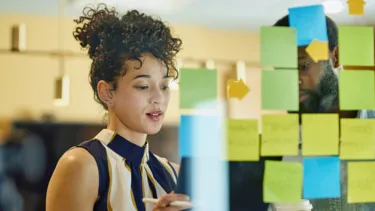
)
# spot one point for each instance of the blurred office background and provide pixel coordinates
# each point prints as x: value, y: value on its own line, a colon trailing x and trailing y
x: 46, y: 102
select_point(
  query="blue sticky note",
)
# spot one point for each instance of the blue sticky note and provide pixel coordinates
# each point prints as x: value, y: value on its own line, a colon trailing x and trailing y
x: 201, y: 136
x: 321, y: 177
x: 185, y: 136
x: 310, y: 23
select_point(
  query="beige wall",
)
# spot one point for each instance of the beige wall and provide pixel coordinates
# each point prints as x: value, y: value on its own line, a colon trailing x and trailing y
x: 27, y: 80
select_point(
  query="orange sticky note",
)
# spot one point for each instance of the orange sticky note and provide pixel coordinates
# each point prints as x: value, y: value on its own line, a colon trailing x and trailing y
x: 280, y: 135
x: 237, y: 89
x: 318, y: 50
x: 320, y: 134
x: 361, y: 182
x: 242, y: 140
x: 356, y: 7
x: 357, y: 139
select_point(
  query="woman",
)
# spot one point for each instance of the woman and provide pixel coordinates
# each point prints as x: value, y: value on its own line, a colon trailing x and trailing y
x: 132, y: 65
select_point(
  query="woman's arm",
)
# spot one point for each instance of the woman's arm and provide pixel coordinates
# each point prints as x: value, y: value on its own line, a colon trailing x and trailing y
x: 74, y: 183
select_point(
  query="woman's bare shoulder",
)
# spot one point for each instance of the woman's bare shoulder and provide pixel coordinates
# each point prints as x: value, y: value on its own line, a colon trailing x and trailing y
x: 74, y: 182
x: 77, y: 156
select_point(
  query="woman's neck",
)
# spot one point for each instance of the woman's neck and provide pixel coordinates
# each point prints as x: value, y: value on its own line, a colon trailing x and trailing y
x: 117, y: 126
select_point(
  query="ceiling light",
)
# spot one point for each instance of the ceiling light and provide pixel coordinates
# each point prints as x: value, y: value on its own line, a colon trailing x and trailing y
x: 62, y: 91
x: 333, y: 6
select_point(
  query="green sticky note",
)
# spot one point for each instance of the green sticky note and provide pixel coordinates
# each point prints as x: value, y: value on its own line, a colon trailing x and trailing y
x: 278, y: 47
x: 282, y: 182
x: 356, y: 45
x: 356, y: 89
x: 242, y: 140
x: 320, y: 134
x: 280, y: 90
x: 198, y: 88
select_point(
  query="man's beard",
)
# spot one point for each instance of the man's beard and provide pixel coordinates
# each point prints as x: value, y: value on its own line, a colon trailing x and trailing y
x: 325, y: 98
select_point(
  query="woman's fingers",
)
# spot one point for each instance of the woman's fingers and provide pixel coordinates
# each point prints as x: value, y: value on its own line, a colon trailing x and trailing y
x: 167, y: 199
x: 163, y: 203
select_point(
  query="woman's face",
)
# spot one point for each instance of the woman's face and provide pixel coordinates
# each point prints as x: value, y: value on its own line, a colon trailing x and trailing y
x: 142, y: 96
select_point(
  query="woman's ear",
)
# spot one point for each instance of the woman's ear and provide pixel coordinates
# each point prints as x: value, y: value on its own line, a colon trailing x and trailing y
x: 334, y: 55
x: 104, y: 92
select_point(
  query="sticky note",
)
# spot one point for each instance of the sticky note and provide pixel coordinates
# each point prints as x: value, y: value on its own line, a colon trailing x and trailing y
x: 201, y: 136
x: 356, y: 45
x: 320, y: 134
x: 282, y: 182
x: 278, y: 47
x: 198, y: 87
x: 310, y: 22
x: 237, y: 89
x: 280, y: 90
x: 357, y: 90
x: 356, y: 7
x: 280, y: 135
x: 361, y: 182
x: 242, y: 140
x: 357, y: 139
x: 318, y: 51
x: 321, y: 177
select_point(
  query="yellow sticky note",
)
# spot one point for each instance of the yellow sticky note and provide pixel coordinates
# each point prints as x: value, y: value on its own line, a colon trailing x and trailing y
x: 237, y: 89
x: 280, y: 135
x: 282, y: 182
x: 242, y: 140
x: 320, y: 134
x: 357, y: 139
x: 361, y: 182
x: 356, y: 7
x: 318, y: 50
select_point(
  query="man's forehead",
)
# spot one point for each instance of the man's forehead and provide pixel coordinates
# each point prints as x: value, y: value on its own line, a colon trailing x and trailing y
x: 302, y: 54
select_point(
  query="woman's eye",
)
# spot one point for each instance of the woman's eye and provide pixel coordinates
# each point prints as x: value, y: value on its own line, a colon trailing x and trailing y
x: 165, y: 87
x: 141, y: 87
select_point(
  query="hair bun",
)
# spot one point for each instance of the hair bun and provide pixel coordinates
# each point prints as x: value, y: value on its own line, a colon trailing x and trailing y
x: 90, y: 25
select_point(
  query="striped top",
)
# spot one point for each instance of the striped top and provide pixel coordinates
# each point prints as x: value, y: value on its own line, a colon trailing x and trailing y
x: 128, y: 173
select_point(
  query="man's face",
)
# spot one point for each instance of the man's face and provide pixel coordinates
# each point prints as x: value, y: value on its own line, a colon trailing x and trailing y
x: 318, y: 84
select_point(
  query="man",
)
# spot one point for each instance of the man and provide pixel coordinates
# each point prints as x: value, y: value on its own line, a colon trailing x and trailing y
x: 318, y: 85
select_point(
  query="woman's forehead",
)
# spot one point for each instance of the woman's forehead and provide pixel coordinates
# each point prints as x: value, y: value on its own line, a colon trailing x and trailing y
x: 146, y: 65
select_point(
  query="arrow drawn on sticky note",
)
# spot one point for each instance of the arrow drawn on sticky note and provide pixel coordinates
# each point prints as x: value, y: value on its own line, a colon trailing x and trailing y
x: 237, y: 89
x: 318, y: 50
x: 356, y: 7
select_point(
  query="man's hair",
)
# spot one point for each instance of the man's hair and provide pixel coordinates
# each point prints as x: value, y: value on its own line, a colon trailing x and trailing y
x: 112, y: 40
x: 332, y: 30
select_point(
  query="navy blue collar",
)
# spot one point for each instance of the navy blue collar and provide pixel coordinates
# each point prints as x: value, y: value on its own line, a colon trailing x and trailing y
x: 126, y: 149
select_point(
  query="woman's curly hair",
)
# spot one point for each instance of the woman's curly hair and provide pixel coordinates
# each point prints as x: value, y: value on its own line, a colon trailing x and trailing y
x: 112, y: 40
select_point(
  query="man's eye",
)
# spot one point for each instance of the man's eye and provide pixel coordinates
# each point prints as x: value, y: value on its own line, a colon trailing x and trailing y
x: 304, y: 66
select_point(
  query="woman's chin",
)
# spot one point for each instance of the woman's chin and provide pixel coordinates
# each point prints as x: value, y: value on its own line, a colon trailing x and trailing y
x: 152, y: 129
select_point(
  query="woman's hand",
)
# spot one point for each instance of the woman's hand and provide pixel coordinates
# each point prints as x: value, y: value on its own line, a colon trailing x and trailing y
x: 164, y: 202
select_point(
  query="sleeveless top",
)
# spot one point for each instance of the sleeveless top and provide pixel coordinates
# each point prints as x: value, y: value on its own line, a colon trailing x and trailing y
x: 128, y: 173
